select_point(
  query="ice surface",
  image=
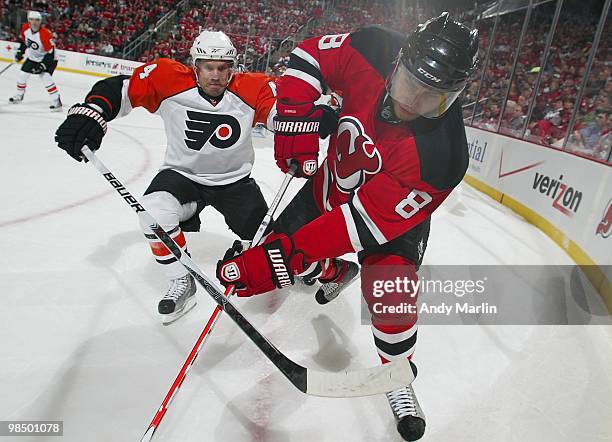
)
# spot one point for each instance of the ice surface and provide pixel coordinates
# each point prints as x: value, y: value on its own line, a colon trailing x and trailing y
x: 81, y: 340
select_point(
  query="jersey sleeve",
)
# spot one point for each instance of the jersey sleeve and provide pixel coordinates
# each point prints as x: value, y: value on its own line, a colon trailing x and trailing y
x: 334, y: 63
x: 316, y: 66
x: 110, y: 97
x: 46, y: 39
x: 147, y: 87
x: 153, y: 82
x: 259, y: 92
x: 24, y: 28
x: 380, y: 211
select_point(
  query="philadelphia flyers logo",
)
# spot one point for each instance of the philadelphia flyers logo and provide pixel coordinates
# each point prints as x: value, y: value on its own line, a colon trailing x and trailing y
x: 356, y: 155
x: 32, y: 44
x: 221, y: 131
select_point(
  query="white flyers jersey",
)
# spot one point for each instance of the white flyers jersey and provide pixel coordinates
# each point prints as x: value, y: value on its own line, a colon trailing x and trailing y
x: 209, y: 144
x: 38, y: 44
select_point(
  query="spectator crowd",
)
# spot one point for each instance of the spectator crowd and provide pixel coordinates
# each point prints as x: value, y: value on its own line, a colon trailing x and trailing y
x: 560, y: 81
x: 255, y: 26
x: 102, y: 27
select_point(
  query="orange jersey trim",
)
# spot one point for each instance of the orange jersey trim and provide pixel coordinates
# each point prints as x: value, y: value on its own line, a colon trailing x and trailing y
x: 255, y: 90
x: 159, y: 249
x: 106, y: 100
x: 24, y: 28
x: 46, y: 38
x: 153, y: 82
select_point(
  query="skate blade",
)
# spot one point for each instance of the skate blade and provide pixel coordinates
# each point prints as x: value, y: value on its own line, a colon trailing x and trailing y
x: 323, y: 298
x: 171, y: 318
x: 56, y: 109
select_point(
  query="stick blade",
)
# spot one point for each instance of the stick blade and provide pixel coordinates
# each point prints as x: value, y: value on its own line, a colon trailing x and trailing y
x: 364, y: 382
x: 148, y: 435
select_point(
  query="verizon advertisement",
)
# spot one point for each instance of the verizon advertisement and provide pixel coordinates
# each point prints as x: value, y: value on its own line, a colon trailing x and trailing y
x: 574, y: 194
x: 86, y: 63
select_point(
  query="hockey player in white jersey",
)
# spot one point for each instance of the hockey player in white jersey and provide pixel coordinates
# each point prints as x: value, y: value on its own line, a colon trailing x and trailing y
x: 38, y: 47
x: 208, y: 111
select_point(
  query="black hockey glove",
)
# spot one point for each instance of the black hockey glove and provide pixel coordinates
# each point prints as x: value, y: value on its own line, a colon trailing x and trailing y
x: 18, y: 56
x: 329, y: 121
x: 38, y: 69
x: 83, y: 126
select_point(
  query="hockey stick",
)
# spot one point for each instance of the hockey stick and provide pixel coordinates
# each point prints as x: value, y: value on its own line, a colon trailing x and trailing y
x: 159, y: 415
x: 363, y: 382
x: 6, y: 68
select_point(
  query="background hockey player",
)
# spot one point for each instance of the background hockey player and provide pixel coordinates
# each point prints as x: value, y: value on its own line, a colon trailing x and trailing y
x: 40, y: 59
x: 208, y: 112
x: 399, y: 150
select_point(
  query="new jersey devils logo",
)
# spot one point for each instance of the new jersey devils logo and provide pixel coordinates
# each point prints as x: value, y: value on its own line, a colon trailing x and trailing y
x: 356, y: 155
x: 222, y: 131
x: 605, y: 225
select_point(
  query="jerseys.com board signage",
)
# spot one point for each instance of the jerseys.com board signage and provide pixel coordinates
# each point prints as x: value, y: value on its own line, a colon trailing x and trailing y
x: 78, y: 62
x: 572, y: 193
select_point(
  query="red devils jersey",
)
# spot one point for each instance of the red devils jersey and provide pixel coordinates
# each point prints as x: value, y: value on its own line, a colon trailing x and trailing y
x: 38, y: 43
x: 381, y: 177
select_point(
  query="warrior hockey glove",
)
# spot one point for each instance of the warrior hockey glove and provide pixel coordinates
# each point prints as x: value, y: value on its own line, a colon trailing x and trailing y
x: 18, y: 56
x: 297, y: 128
x: 85, y: 125
x: 262, y: 268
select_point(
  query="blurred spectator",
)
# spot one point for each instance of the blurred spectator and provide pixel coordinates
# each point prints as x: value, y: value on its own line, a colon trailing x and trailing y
x: 255, y: 27
x: 546, y: 130
x: 587, y: 137
x: 97, y: 27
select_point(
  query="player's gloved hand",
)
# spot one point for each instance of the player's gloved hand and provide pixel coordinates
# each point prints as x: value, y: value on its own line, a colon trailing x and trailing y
x: 329, y: 122
x: 39, y: 68
x: 85, y: 125
x: 297, y: 128
x: 18, y: 56
x: 262, y: 268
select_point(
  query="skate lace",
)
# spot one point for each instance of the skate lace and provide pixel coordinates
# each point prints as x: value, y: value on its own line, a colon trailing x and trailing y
x: 178, y: 288
x: 330, y: 287
x: 402, y: 402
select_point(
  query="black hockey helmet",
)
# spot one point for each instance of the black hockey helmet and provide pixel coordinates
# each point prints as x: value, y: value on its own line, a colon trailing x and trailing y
x: 439, y: 57
x: 441, y: 53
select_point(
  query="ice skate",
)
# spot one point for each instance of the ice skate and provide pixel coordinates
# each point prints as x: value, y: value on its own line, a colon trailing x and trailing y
x: 179, y: 299
x: 56, y: 106
x: 329, y: 290
x: 16, y: 99
x: 408, y: 414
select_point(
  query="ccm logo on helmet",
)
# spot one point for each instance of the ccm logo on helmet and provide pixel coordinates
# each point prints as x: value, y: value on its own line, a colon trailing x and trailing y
x: 428, y: 75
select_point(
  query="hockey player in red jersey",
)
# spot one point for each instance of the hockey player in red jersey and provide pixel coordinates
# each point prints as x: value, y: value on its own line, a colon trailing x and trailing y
x: 38, y: 48
x: 399, y: 150
x: 208, y: 112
